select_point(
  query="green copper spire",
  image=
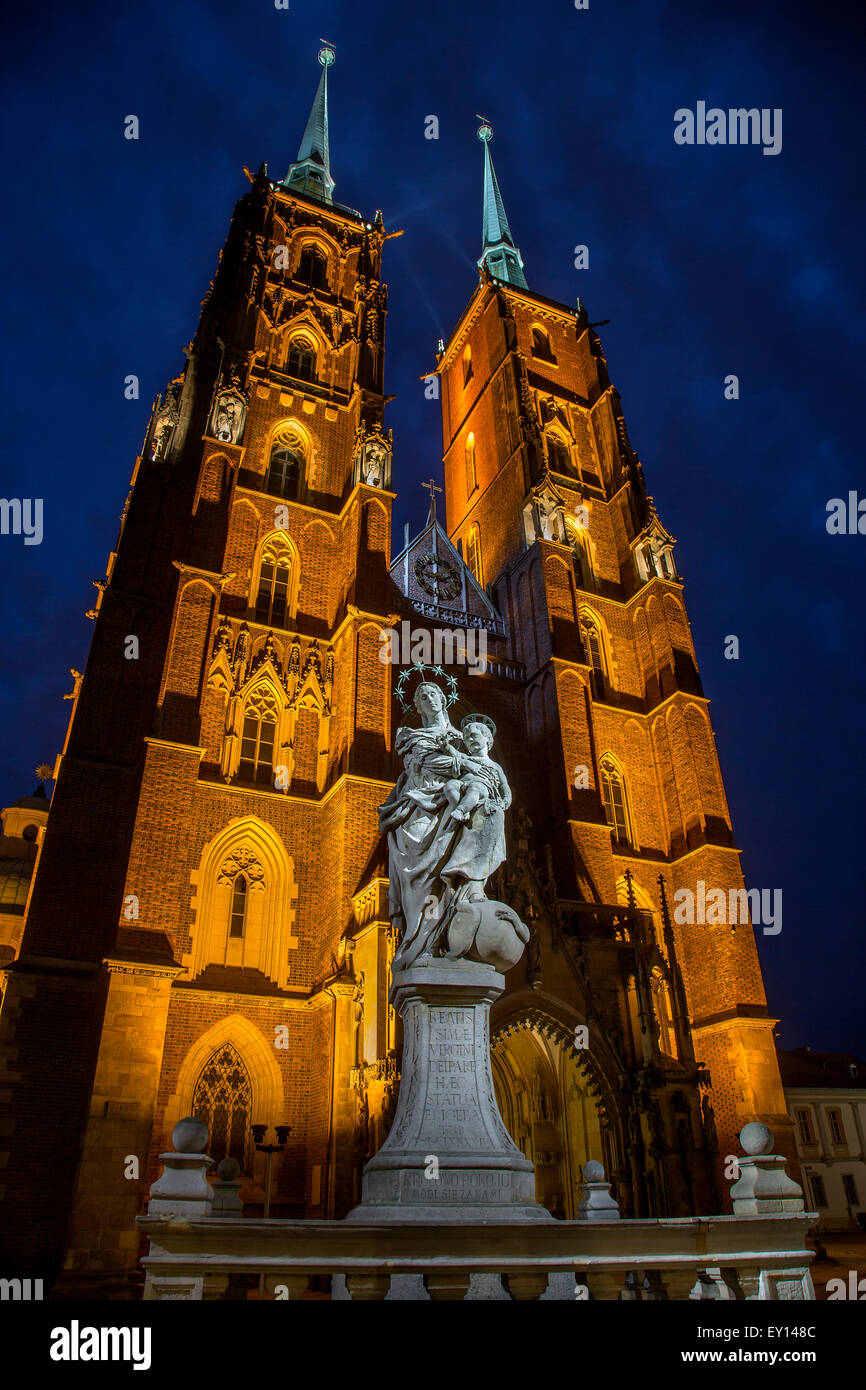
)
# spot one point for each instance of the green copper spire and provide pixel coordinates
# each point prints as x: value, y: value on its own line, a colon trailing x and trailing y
x: 311, y: 171
x: 499, y: 253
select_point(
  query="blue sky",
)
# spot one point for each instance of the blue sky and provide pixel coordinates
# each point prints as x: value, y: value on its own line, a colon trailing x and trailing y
x: 706, y: 260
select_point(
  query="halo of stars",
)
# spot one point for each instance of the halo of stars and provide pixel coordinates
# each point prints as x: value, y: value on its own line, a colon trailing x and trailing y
x: 419, y: 668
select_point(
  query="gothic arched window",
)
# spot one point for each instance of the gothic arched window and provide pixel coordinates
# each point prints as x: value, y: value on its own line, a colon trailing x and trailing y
x: 222, y: 1099
x: 471, y: 470
x: 275, y: 587
x: 593, y: 645
x: 312, y: 268
x: 239, y: 907
x: 614, y: 798
x: 473, y: 553
x: 285, y: 464
x: 579, y: 542
x: 558, y: 454
x: 284, y: 473
x: 258, y: 737
x: 301, y: 362
x: 541, y: 348
x: 467, y: 364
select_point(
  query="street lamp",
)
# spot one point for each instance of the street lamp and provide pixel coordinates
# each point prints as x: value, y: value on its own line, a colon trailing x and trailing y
x: 259, y: 1132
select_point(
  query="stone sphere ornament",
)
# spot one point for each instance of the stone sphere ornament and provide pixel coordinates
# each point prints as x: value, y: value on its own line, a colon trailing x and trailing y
x: 593, y: 1171
x: 190, y: 1136
x: 228, y: 1169
x: 756, y: 1138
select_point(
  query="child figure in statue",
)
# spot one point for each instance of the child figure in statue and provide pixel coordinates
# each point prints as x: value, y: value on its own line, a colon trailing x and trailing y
x: 481, y: 780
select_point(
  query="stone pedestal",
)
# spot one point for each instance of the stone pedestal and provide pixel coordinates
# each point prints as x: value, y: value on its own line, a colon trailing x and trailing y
x: 764, y: 1187
x: 448, y: 1156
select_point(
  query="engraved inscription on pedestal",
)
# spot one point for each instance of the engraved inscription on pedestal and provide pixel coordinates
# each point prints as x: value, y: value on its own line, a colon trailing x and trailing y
x: 451, y: 1059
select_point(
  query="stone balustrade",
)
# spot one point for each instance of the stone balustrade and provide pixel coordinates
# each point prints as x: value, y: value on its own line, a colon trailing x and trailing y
x: 202, y: 1248
x: 757, y: 1257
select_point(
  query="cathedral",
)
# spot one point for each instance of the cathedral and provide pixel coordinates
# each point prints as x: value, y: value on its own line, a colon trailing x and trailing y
x: 207, y: 929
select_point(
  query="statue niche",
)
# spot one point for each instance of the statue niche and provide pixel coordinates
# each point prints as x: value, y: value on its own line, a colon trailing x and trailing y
x: 228, y: 416
x: 373, y: 458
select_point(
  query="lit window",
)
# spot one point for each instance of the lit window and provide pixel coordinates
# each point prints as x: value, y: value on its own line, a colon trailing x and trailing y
x: 471, y: 471
x: 312, y: 267
x: 258, y: 738
x: 473, y: 553
x: 613, y: 796
x: 301, y: 361
x: 239, y: 906
x: 284, y: 472
x: 222, y: 1099
x: 593, y: 645
x: 275, y: 576
x: 541, y: 346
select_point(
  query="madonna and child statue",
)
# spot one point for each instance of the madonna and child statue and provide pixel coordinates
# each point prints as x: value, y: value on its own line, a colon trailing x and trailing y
x: 445, y: 822
x: 445, y: 826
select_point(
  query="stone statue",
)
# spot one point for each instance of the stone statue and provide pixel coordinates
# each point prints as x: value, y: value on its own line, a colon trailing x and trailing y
x: 374, y: 463
x: 225, y: 420
x: 445, y: 822
x: 229, y: 415
x: 548, y: 508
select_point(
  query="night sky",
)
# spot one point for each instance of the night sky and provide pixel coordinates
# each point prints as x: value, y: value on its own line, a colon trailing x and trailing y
x: 707, y: 261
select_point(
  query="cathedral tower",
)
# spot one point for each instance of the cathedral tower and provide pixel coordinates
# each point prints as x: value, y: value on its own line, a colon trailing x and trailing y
x: 546, y: 500
x: 213, y: 832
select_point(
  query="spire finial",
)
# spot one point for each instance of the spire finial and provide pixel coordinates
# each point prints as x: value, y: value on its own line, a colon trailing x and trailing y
x: 499, y: 254
x: 311, y: 171
x: 629, y: 887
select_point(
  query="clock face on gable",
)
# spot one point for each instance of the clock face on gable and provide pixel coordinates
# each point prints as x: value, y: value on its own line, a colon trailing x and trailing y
x: 437, y: 576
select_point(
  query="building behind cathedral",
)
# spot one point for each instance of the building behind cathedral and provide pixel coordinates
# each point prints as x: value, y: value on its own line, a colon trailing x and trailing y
x: 207, y: 931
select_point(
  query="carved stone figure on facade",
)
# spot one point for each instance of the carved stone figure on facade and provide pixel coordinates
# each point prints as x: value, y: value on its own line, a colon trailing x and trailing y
x: 225, y: 424
x: 445, y: 822
x: 223, y: 637
x: 372, y: 456
x: 374, y: 464
x: 162, y: 432
x: 229, y: 411
x: 165, y: 418
x: 548, y: 517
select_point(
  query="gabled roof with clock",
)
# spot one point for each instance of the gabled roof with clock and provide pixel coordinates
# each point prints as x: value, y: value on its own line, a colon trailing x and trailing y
x: 431, y: 575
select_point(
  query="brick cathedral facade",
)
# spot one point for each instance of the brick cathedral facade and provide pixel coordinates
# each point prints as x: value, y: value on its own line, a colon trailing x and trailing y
x: 207, y: 929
